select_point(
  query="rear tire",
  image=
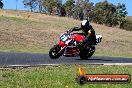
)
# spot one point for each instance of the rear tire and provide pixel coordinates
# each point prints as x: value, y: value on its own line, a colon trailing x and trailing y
x: 53, y: 53
x: 84, y: 55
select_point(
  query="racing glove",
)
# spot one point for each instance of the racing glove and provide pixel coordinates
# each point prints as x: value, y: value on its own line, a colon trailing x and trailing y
x: 80, y: 43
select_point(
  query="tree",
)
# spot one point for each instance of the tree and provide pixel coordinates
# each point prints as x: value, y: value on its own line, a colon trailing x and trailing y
x: 82, y: 9
x: 87, y: 8
x: 51, y: 7
x: 78, y: 10
x: 121, y: 14
x: 57, y: 7
x: 127, y: 25
x: 62, y: 11
x: 1, y: 4
x: 32, y: 4
x: 69, y: 5
x: 98, y: 13
x: 48, y: 6
x: 105, y: 13
x: 109, y: 14
x: 78, y: 13
x: 40, y: 6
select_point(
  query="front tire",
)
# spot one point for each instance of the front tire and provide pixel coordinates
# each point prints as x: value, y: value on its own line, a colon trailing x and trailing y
x: 53, y: 53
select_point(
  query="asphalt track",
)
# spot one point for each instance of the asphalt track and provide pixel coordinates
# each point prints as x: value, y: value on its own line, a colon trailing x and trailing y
x: 8, y: 59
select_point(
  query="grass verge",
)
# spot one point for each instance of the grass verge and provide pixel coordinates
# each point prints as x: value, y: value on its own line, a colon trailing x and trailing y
x: 113, y: 55
x: 58, y: 76
x: 39, y: 32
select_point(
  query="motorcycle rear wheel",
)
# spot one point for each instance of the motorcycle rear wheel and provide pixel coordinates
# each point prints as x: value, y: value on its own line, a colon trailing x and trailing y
x: 53, y: 53
x: 84, y: 55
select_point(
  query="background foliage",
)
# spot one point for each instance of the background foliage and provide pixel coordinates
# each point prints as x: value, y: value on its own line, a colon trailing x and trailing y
x: 104, y: 13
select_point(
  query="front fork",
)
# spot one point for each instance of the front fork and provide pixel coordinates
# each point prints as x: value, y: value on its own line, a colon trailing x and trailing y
x: 62, y: 50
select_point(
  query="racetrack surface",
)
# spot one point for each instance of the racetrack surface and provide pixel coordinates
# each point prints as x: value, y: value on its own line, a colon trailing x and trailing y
x: 7, y: 59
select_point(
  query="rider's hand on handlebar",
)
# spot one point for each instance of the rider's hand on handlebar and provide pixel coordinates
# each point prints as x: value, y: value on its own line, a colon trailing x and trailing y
x: 81, y: 42
x: 72, y: 29
x: 75, y: 27
x: 69, y: 31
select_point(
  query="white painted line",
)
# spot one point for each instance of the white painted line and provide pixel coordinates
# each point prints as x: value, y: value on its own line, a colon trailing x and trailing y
x: 37, y: 65
x: 48, y: 64
x: 18, y: 65
x: 32, y: 65
x: 71, y: 64
x: 117, y: 63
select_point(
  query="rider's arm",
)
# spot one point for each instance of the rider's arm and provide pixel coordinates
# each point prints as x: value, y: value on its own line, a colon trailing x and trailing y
x: 91, y: 32
x: 86, y: 37
x: 74, y: 29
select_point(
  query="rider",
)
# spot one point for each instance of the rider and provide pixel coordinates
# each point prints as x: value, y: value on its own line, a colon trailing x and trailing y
x: 87, y: 31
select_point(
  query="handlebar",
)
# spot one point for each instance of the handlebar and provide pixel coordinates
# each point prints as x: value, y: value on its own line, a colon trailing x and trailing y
x: 71, y: 30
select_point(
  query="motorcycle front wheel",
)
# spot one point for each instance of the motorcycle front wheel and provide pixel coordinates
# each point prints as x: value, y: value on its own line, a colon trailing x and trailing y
x: 53, y: 53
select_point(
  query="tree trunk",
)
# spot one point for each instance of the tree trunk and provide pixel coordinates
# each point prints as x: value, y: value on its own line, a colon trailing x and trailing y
x: 121, y: 25
x: 31, y: 8
x: 40, y: 8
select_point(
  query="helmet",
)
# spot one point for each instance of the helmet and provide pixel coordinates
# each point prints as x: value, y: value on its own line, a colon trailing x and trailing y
x: 85, y: 25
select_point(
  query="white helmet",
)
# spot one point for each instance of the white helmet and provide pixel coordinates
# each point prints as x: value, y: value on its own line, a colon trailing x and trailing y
x: 85, y: 24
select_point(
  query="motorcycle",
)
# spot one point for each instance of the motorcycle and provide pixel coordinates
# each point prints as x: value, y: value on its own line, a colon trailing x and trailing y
x: 69, y: 46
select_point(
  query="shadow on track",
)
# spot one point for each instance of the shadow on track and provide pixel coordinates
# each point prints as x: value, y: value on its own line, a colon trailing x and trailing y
x: 95, y: 59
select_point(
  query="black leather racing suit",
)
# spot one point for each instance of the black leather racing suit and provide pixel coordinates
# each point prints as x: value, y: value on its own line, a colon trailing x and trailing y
x: 89, y: 34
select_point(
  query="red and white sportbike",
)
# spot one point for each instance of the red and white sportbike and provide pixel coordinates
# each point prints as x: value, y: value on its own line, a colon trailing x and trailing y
x: 69, y: 46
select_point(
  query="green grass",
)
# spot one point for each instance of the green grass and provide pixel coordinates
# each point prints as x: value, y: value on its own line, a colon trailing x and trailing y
x: 18, y: 20
x: 58, y: 76
x: 112, y: 54
x: 24, y: 50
